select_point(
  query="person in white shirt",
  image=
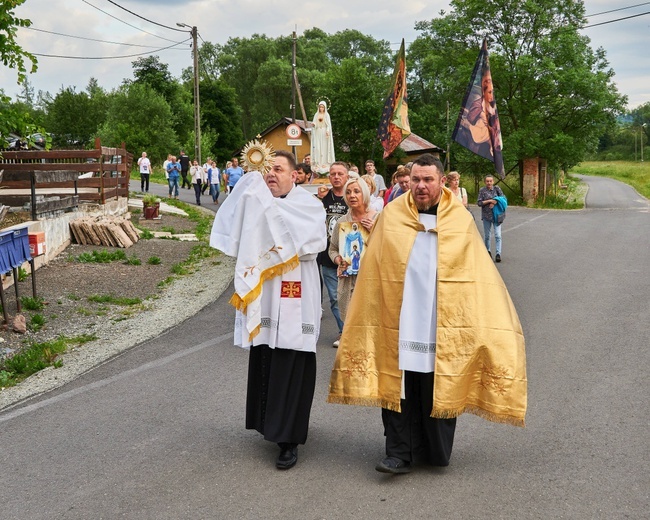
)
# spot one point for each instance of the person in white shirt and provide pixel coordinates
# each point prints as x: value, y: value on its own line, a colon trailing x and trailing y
x: 145, y: 171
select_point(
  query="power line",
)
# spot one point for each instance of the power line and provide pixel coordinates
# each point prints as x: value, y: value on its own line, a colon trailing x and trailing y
x: 108, y: 57
x: 615, y: 10
x: 91, y: 39
x: 616, y: 20
x: 125, y: 23
x: 143, y: 18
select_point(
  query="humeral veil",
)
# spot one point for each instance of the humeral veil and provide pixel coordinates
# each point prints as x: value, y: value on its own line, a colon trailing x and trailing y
x: 480, y: 364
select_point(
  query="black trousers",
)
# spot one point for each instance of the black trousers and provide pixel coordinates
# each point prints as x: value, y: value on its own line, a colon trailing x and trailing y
x: 281, y: 387
x: 184, y: 179
x: 197, y: 192
x: 412, y: 434
x: 144, y: 181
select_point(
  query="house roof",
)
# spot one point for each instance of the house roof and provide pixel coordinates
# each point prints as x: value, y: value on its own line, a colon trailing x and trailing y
x: 416, y: 144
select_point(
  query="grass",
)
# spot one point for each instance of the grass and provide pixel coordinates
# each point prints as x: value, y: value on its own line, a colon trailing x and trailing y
x: 180, y: 269
x: 146, y: 234
x: 636, y: 174
x: 115, y: 300
x: 22, y: 274
x: 37, y: 322
x: 154, y: 260
x: 133, y: 260
x: 102, y: 257
x: 32, y: 304
x: 36, y: 357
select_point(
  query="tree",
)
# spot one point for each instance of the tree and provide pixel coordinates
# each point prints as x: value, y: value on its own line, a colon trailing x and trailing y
x: 221, y: 119
x: 12, y: 55
x: 74, y: 117
x: 140, y: 117
x: 555, y: 94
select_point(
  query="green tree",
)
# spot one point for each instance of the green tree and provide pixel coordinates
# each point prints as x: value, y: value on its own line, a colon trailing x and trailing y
x: 12, y: 55
x: 74, y: 117
x: 555, y: 94
x: 220, y: 119
x: 139, y: 116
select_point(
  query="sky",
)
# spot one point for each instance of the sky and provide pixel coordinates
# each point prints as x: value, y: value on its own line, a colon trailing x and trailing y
x: 626, y: 42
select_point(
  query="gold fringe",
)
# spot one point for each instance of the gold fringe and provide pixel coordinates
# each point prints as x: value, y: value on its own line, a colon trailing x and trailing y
x: 480, y: 412
x: 376, y: 402
x: 255, y: 332
x: 240, y: 303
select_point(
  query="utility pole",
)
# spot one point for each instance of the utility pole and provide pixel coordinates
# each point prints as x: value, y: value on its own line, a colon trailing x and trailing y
x: 197, y: 103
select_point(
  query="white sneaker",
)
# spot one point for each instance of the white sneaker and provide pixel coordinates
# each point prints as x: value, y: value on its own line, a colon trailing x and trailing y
x: 337, y: 342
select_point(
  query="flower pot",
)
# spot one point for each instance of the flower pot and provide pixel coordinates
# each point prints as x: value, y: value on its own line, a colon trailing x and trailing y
x: 151, y: 211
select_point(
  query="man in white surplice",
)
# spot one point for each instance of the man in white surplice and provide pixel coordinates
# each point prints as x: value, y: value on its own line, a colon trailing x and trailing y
x: 275, y: 231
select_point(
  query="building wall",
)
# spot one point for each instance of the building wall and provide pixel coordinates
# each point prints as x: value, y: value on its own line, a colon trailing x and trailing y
x: 278, y: 139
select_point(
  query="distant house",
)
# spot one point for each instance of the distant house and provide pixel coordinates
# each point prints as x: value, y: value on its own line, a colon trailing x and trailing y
x: 276, y: 135
x: 413, y: 145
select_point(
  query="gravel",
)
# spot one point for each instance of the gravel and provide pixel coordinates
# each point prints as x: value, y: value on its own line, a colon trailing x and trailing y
x: 66, y: 285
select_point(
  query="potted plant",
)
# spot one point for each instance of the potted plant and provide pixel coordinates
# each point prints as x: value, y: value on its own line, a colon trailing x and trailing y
x: 150, y: 206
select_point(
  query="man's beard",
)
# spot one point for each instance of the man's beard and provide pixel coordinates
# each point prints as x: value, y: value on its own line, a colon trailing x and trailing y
x: 423, y: 206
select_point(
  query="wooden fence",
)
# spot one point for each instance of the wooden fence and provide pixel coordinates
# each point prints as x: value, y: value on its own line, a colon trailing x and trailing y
x: 109, y: 168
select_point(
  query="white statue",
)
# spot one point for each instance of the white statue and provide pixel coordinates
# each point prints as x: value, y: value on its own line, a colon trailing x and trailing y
x: 322, y: 140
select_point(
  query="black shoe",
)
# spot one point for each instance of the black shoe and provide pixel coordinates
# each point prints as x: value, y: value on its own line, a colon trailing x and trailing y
x: 497, y: 258
x: 393, y: 465
x: 287, y: 458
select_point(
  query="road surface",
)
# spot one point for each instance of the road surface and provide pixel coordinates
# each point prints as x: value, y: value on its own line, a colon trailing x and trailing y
x: 158, y: 432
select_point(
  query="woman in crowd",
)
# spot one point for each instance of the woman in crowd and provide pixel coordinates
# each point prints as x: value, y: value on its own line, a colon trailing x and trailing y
x: 214, y: 180
x: 199, y: 177
x: 357, y: 196
x: 376, y: 203
x: 453, y: 179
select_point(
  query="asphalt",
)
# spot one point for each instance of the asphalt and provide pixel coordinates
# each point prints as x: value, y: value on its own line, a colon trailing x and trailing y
x: 158, y: 431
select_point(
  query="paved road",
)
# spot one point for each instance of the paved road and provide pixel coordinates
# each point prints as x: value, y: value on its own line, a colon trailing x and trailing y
x: 157, y: 433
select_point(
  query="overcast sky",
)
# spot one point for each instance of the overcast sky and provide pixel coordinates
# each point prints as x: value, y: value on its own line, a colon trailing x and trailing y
x: 626, y: 42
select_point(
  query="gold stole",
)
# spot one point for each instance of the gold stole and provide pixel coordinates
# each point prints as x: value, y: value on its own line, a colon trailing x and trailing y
x: 480, y: 355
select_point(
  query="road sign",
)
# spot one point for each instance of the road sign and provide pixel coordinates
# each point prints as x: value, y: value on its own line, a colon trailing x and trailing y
x: 294, y: 142
x: 293, y: 131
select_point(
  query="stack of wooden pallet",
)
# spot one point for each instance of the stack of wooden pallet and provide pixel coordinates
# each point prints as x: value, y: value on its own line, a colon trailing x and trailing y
x: 104, y: 231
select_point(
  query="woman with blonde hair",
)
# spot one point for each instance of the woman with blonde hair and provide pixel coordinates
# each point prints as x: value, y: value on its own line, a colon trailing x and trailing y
x: 376, y: 203
x: 357, y: 196
x: 453, y: 178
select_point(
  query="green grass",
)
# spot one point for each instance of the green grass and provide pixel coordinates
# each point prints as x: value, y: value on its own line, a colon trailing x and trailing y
x: 36, y: 357
x: 133, y: 260
x: 169, y: 229
x: 22, y: 274
x: 32, y: 304
x: 102, y: 257
x: 154, y: 260
x: 636, y: 174
x: 179, y: 269
x: 146, y: 234
x: 37, y: 322
x: 115, y: 300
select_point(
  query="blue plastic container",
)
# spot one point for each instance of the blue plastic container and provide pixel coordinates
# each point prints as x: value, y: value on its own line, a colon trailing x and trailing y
x: 19, y: 252
x: 6, y: 245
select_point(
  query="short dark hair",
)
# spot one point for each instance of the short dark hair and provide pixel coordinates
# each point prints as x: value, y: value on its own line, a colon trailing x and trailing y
x: 304, y: 167
x: 427, y: 159
x: 289, y: 157
x: 340, y: 163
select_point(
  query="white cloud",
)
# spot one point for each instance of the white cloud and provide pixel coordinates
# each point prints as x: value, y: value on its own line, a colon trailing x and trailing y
x: 625, y: 42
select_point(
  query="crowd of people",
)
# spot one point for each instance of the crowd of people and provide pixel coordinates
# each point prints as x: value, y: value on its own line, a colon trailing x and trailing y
x: 409, y: 282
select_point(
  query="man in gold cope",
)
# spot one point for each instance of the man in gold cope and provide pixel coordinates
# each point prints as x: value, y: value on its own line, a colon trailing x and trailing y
x: 431, y: 331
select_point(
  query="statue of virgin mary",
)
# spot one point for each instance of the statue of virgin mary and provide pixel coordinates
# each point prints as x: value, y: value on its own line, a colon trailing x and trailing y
x: 322, y: 140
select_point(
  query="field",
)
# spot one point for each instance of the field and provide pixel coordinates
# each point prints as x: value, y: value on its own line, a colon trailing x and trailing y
x: 636, y: 174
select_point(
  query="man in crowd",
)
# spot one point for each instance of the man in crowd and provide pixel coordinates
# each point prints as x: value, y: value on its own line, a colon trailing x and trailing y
x: 429, y: 310
x: 301, y: 176
x: 402, y: 184
x: 335, y: 208
x: 279, y: 228
x: 145, y: 171
x: 304, y: 173
x: 380, y: 184
x: 173, y: 173
x: 233, y: 173
x: 184, y: 162
x: 489, y: 197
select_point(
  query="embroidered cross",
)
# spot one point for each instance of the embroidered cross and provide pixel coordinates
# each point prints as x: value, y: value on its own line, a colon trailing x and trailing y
x: 291, y: 290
